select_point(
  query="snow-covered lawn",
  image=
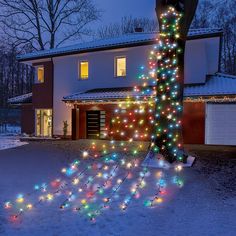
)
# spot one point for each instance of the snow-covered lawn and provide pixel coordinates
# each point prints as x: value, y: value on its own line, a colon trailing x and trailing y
x: 10, y: 141
x: 195, y: 209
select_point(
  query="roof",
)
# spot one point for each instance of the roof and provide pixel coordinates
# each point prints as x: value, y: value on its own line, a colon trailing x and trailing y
x: 216, y: 85
x: 23, y: 99
x: 127, y: 40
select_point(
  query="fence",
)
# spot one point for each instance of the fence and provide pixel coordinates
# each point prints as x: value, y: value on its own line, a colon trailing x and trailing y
x: 10, y: 120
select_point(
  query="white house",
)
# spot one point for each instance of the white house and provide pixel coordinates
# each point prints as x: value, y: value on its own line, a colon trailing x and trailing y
x: 92, y: 77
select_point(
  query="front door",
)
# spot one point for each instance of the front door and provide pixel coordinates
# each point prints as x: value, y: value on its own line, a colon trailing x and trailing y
x: 93, y: 124
x: 44, y: 122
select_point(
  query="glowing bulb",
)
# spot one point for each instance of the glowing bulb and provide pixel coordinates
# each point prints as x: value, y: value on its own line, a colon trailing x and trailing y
x: 85, y: 154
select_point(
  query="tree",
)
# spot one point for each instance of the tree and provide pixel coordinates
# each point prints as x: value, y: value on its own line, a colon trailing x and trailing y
x: 174, y: 17
x: 127, y: 25
x: 46, y: 24
x: 220, y: 15
x: 15, y: 78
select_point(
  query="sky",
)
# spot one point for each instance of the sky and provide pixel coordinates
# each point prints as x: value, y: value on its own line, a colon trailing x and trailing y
x: 113, y: 10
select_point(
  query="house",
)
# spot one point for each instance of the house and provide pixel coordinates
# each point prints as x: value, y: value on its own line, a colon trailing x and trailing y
x: 84, y: 83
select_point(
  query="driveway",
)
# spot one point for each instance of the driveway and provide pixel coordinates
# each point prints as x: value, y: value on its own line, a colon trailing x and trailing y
x: 204, y: 206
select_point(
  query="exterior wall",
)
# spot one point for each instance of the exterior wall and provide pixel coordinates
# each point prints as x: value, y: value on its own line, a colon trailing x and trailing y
x: 82, y: 116
x: 201, y: 58
x: 43, y: 92
x: 42, y: 98
x: 27, y: 119
x: 193, y: 121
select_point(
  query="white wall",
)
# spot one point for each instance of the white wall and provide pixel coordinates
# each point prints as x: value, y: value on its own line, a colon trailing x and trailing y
x: 201, y: 59
x: 101, y: 72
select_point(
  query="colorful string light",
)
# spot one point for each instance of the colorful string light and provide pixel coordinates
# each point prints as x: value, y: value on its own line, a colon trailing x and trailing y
x: 153, y: 113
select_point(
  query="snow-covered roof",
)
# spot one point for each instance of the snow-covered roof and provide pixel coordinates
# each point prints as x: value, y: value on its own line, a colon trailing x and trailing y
x: 25, y: 98
x: 102, y: 44
x: 216, y: 85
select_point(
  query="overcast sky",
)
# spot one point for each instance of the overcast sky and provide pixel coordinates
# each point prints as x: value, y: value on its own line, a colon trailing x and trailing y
x: 115, y: 9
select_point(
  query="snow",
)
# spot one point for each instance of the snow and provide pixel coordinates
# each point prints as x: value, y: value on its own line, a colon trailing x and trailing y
x: 9, y: 141
x: 218, y: 84
x: 21, y: 99
x: 195, y: 209
x: 111, y: 42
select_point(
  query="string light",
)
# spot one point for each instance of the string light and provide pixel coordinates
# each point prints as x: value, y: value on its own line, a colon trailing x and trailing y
x: 153, y: 111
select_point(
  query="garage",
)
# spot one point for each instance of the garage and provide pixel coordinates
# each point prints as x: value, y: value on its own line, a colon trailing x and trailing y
x: 221, y: 124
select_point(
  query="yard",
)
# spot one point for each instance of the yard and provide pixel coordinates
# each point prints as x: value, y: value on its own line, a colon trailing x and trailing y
x: 204, y: 206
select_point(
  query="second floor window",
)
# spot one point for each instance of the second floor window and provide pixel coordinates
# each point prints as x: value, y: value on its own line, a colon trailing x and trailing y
x: 120, y: 66
x: 39, y: 74
x: 84, y: 70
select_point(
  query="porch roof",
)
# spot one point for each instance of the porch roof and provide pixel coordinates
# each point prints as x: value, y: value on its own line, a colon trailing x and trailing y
x: 216, y: 85
x: 22, y: 99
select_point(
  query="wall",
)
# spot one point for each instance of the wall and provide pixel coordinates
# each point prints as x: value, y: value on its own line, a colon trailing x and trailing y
x: 193, y: 121
x: 43, y: 92
x: 198, y: 61
x: 82, y: 116
x: 42, y: 98
x: 27, y: 119
x: 201, y: 59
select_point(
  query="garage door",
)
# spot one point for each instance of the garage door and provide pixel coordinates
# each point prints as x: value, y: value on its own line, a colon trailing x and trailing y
x: 221, y: 124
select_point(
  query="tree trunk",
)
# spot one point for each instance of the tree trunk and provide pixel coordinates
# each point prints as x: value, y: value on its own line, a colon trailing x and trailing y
x: 168, y: 138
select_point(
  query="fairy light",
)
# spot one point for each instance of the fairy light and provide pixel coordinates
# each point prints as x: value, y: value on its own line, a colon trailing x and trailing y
x: 151, y: 110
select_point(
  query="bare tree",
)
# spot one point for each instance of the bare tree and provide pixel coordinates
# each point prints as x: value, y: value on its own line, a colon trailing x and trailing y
x: 220, y: 15
x: 46, y: 23
x: 127, y: 25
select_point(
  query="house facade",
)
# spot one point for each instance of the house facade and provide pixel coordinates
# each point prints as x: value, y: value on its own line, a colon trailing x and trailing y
x: 83, y: 84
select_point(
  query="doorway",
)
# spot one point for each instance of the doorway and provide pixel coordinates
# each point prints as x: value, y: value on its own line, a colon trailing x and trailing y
x: 44, y: 122
x: 93, y: 124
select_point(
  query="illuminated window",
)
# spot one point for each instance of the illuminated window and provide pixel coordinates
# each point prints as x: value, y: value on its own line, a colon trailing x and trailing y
x: 84, y: 70
x: 120, y: 67
x: 40, y: 74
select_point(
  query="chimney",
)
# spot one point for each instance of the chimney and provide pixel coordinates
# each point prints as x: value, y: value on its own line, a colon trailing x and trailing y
x: 138, y: 30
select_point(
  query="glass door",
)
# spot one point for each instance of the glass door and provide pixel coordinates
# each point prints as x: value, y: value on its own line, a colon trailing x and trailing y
x: 44, y: 122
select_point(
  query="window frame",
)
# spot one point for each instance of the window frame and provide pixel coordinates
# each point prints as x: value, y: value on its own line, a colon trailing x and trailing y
x: 36, y: 80
x: 116, y: 69
x: 79, y: 70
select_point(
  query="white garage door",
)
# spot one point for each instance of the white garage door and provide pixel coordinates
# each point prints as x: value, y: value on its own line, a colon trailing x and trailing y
x: 221, y: 124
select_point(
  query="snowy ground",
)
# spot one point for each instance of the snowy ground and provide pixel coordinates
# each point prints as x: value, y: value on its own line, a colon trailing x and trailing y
x: 204, y: 206
x: 10, y: 141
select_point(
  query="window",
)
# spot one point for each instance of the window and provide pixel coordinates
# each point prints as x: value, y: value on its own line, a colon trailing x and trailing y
x: 84, y: 70
x: 120, y: 67
x: 40, y: 74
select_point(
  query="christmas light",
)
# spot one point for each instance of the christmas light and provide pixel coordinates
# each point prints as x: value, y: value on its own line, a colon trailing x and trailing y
x: 151, y: 110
